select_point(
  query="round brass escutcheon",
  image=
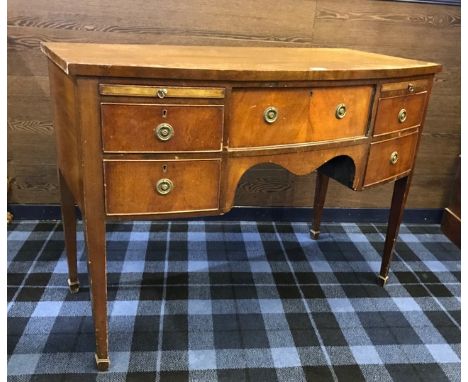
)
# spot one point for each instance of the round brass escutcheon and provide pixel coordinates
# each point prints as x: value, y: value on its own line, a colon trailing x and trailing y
x: 270, y: 114
x: 164, y: 186
x: 340, y: 111
x: 411, y: 88
x: 402, y: 115
x: 164, y: 132
x: 161, y: 93
x: 394, y: 157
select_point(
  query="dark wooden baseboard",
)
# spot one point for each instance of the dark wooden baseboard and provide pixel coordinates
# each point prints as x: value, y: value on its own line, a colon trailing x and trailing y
x: 356, y: 215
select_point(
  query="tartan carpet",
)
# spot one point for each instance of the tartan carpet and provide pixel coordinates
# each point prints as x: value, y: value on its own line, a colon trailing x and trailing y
x: 238, y: 301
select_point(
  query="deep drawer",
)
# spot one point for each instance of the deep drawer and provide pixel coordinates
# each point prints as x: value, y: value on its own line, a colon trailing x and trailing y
x: 290, y: 116
x: 161, y: 128
x: 390, y: 158
x: 161, y: 186
x: 398, y: 113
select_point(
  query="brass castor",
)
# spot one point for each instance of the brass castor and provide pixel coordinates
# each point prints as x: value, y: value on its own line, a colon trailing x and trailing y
x: 73, y: 286
x: 314, y: 235
x: 102, y: 363
x: 382, y: 280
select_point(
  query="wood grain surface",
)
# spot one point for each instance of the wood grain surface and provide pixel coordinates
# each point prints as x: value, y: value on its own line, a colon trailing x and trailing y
x: 133, y: 127
x: 304, y: 115
x: 417, y: 31
x: 387, y: 119
x: 131, y: 186
x: 380, y: 166
x: 228, y: 62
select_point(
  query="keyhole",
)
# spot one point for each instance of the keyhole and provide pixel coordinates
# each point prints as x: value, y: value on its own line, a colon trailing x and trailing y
x: 164, y: 168
x: 164, y: 113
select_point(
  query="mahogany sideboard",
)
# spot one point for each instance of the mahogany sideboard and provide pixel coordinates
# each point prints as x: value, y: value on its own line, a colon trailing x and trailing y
x: 157, y: 132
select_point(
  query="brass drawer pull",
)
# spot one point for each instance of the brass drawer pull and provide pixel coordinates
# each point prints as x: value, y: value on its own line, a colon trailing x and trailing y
x: 270, y: 114
x: 340, y: 111
x: 161, y: 93
x: 411, y: 87
x: 164, y: 132
x: 402, y: 115
x: 164, y: 186
x: 394, y: 157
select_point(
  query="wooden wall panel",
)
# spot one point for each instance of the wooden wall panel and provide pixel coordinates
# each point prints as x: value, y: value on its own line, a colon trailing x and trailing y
x: 421, y: 31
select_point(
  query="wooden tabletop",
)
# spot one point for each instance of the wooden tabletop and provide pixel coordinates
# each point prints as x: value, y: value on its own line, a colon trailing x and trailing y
x: 229, y: 63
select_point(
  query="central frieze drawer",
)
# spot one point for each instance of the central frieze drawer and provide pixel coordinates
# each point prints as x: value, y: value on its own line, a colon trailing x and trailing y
x: 161, y: 186
x: 161, y: 128
x: 290, y: 116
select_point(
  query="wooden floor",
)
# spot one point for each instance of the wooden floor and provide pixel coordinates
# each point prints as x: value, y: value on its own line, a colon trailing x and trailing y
x: 420, y: 31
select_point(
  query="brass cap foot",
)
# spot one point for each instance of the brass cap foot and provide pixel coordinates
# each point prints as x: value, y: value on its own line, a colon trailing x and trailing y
x: 73, y: 286
x: 314, y: 234
x: 382, y: 280
x: 102, y: 363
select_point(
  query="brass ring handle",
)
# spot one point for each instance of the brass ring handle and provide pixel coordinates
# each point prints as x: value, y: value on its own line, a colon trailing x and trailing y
x: 394, y: 157
x: 411, y: 88
x: 164, y: 132
x: 270, y: 114
x: 402, y: 115
x: 164, y: 186
x: 340, y: 111
x: 161, y: 93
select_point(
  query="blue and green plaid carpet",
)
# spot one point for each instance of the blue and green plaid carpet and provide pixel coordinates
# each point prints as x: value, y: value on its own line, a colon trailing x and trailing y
x: 238, y: 301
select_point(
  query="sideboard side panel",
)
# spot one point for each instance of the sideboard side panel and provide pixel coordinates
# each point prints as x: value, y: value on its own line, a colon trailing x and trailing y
x: 90, y: 144
x: 62, y: 91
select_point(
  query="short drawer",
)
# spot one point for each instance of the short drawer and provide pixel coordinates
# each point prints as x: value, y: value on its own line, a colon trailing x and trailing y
x: 390, y: 158
x: 391, y: 89
x: 143, y: 187
x: 289, y: 116
x: 399, y: 113
x: 160, y: 91
x: 161, y: 128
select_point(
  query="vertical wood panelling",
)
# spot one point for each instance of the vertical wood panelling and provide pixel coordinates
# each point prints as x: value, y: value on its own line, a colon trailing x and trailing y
x: 420, y: 31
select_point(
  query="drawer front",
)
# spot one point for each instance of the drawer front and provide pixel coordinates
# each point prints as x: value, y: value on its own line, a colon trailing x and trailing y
x: 398, y: 113
x: 299, y: 115
x: 390, y: 89
x: 160, y: 91
x: 326, y: 105
x: 161, y: 128
x: 158, y: 186
x: 390, y: 158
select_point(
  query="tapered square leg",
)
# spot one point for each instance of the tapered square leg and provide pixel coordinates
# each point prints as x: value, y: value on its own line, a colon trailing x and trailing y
x: 96, y: 252
x: 400, y: 194
x: 93, y: 211
x: 321, y: 186
x: 69, y: 232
